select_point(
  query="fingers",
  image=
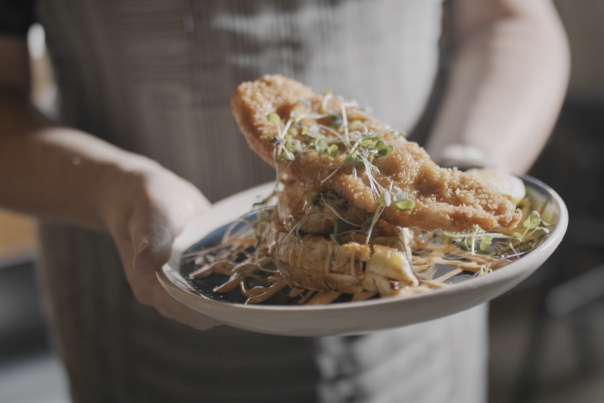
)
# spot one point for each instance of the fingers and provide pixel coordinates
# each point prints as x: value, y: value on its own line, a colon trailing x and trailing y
x: 148, y: 291
x: 157, y: 209
x: 170, y: 203
x: 152, y: 237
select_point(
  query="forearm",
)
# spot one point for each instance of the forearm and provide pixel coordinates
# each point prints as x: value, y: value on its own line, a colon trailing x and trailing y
x: 507, y: 85
x: 65, y: 174
x: 56, y: 172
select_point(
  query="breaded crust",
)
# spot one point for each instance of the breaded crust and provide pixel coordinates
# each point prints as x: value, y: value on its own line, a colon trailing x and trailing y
x: 445, y: 199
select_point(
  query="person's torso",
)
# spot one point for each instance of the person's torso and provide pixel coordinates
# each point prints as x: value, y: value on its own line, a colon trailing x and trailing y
x: 156, y: 77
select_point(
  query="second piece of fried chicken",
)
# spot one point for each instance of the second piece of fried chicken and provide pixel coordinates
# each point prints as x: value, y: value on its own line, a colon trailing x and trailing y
x: 445, y: 199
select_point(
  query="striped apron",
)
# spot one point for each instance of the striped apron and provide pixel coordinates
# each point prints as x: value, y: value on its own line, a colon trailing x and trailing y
x: 155, y: 77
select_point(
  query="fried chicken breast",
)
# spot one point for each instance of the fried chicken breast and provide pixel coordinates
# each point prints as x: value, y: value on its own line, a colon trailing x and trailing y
x: 445, y: 199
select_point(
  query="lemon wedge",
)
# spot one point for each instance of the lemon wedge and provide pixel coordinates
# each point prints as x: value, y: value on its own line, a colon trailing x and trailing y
x: 507, y: 184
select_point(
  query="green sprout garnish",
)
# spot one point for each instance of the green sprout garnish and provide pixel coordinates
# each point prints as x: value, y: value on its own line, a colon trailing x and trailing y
x: 335, y: 122
x: 385, y: 198
x: 350, y: 159
x: 359, y: 146
x: 359, y: 164
x: 485, y: 269
x: 332, y: 151
x: 404, y: 205
x: 310, y: 198
x: 382, y: 149
x: 401, y: 200
x: 274, y: 118
x: 478, y: 239
x: 533, y: 221
x: 485, y: 242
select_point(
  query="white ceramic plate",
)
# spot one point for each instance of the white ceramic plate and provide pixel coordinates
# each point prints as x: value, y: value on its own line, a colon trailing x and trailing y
x: 351, y: 317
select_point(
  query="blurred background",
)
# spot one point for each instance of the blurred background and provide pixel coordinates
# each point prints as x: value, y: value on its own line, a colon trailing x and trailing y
x: 547, y: 335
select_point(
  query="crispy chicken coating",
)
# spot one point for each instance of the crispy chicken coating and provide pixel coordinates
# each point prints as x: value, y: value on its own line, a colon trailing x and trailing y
x: 445, y: 199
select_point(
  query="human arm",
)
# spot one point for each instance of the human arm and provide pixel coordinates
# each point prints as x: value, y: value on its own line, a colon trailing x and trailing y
x: 64, y: 174
x: 506, y: 87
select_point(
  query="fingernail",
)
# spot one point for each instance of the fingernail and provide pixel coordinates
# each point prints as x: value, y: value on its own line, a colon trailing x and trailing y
x: 142, y: 247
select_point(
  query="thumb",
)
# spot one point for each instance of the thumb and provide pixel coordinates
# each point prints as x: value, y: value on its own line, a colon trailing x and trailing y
x: 152, y: 240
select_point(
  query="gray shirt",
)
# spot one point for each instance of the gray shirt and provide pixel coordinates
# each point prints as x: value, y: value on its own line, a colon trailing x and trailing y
x: 155, y: 77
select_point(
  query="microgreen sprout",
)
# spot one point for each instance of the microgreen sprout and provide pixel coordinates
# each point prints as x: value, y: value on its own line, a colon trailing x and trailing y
x: 318, y: 200
x: 326, y: 98
x: 404, y: 205
x: 485, y: 242
x: 374, y: 220
x: 532, y: 221
x: 335, y: 122
x: 484, y: 269
x: 401, y: 200
x: 478, y: 240
x: 359, y: 146
x: 385, y: 198
x: 332, y: 151
x: 274, y: 118
x: 310, y: 198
